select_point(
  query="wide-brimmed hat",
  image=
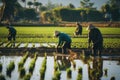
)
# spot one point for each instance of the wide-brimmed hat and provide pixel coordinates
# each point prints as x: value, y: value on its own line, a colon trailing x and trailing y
x: 90, y: 26
x: 56, y: 33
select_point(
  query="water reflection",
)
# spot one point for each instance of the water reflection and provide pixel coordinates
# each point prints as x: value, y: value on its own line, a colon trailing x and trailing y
x: 85, y: 68
x: 96, y: 70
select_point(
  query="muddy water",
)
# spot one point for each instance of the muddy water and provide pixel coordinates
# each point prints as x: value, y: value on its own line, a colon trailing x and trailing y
x: 30, y: 45
x: 113, y: 69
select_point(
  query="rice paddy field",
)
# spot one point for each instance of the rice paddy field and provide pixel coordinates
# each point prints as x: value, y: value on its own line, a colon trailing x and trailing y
x: 45, y: 35
x: 26, y: 60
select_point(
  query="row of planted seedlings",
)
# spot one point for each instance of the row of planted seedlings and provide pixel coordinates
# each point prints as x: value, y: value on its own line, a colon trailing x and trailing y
x: 43, y: 67
x: 26, y: 45
x: 21, y: 68
x: 9, y: 44
x: 2, y: 77
x: 83, y: 44
x: 31, y: 67
x: 66, y: 64
x: 96, y: 71
x: 57, y: 72
x: 10, y: 68
x: 33, y: 45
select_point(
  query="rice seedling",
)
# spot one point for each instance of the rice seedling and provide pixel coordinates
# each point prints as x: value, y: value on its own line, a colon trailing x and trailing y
x: 10, y: 68
x: 2, y: 77
x: 56, y: 67
x: 69, y: 73
x: 17, y: 45
x: 32, y: 63
x: 7, y: 44
x: 79, y: 77
x: 27, y: 77
x: 26, y: 45
x: 80, y: 70
x: 57, y: 72
x: 1, y: 43
x: 56, y: 75
x: 22, y: 72
x: 0, y: 67
x: 43, y: 67
x: 21, y: 63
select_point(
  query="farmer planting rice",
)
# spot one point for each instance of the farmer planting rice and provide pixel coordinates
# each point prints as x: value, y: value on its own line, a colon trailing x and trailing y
x: 78, y: 30
x: 12, y: 33
x: 64, y: 41
x: 96, y: 38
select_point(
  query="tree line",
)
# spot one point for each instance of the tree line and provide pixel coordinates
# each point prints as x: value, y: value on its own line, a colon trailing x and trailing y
x: 12, y: 11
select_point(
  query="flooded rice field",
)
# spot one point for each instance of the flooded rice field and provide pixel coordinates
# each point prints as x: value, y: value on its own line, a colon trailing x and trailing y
x: 77, y: 69
x: 27, y: 45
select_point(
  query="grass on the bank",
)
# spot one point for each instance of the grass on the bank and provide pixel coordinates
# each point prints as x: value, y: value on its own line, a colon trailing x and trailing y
x: 45, y: 35
x: 50, y: 30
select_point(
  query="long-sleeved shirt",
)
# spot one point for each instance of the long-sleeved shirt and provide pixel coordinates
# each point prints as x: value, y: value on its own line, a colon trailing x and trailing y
x: 64, y: 38
x: 12, y: 31
x: 95, y: 36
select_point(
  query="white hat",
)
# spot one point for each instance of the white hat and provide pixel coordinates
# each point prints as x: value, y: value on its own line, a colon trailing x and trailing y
x: 56, y: 33
x: 90, y: 27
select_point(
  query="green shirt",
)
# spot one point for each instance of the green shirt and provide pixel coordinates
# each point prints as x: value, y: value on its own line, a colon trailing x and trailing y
x: 64, y: 38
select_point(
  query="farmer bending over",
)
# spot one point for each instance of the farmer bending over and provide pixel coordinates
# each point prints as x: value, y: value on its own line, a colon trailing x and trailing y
x: 96, y: 38
x: 78, y: 30
x: 12, y: 33
x: 64, y: 41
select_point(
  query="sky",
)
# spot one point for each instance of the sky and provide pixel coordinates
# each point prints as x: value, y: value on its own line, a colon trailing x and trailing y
x: 76, y: 3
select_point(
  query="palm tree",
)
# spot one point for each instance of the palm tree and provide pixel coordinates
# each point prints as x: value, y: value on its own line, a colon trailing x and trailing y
x: 24, y: 2
x: 36, y: 4
x: 86, y: 4
x: 40, y: 4
x: 29, y: 4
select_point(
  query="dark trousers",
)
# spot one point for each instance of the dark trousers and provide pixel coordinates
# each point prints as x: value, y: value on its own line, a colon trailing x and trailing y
x: 12, y: 37
x: 64, y: 48
x: 97, y: 49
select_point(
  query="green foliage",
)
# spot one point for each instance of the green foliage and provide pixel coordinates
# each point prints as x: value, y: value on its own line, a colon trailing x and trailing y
x: 80, y: 70
x: 45, y: 35
x: 22, y: 72
x: 21, y: 63
x: 56, y: 75
x: 9, y: 9
x: 27, y: 77
x: 2, y: 77
x: 32, y: 63
x: 71, y: 14
x: 56, y: 67
x: 79, y: 77
x: 10, y: 68
x: 0, y: 67
x: 43, y: 68
x: 69, y: 73
x: 30, y: 14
